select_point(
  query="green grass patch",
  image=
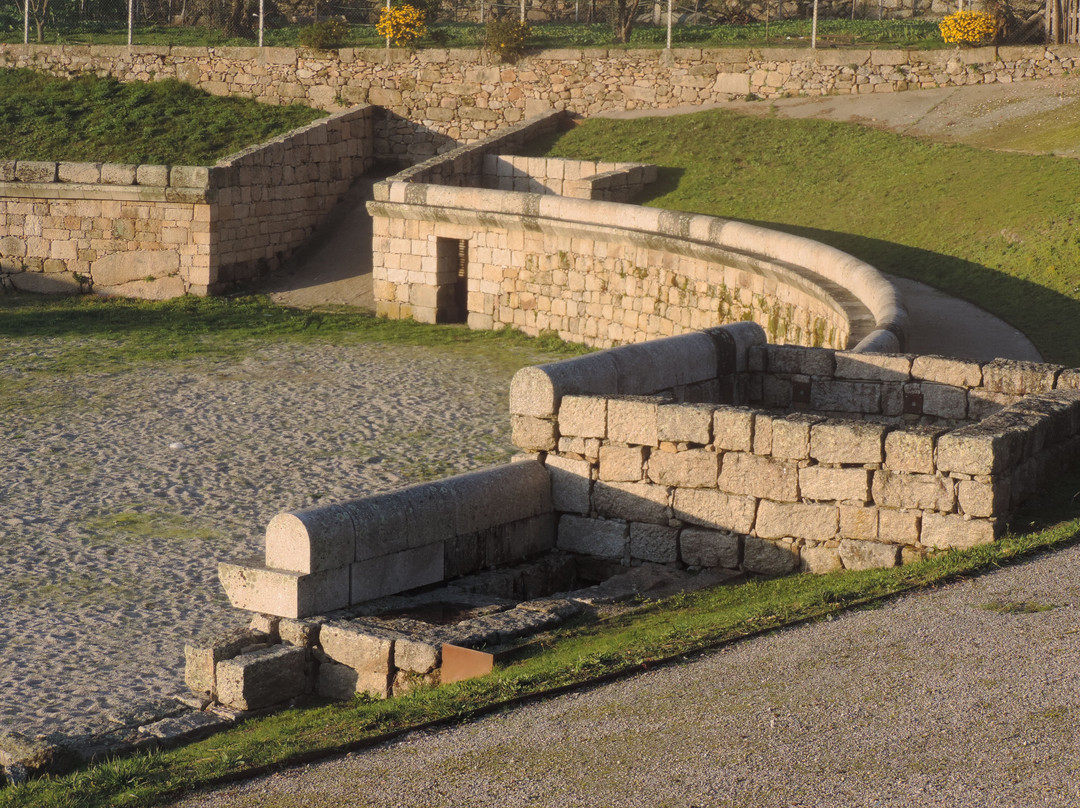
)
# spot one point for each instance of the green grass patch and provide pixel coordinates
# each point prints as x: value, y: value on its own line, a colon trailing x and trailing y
x: 663, y: 630
x: 862, y: 33
x: 109, y: 335
x: 92, y: 119
x: 997, y: 229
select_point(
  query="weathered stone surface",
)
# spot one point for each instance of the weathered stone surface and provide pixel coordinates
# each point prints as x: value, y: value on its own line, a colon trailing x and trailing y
x: 79, y: 172
x: 286, y: 594
x: 201, y: 657
x: 416, y: 656
x: 841, y: 485
x: 1016, y: 378
x: 868, y: 555
x: 798, y: 520
x: 184, y: 728
x: 983, y: 403
x: 943, y: 401
x: 762, y: 477
x: 791, y: 436
x: 933, y: 492
x: 984, y: 498
x: 858, y: 522
x: 13, y: 245
x: 946, y: 531
x: 152, y: 175
x: 976, y: 450
x: 733, y: 429
x: 827, y: 395
x: 911, y: 449
x: 792, y: 359
x: 685, y: 423
x: 189, y: 177
x: 635, y: 502
x: 696, y: 468
x: 262, y: 678
x: 850, y: 442
x: 310, y: 540
x: 337, y: 681
x: 622, y: 463
x: 899, y: 526
x: 26, y: 755
x: 39, y: 283
x: 363, y: 648
x: 654, y: 543
x: 763, y: 424
x: 302, y: 633
x: 35, y: 171
x: 715, y: 509
x: 709, y: 548
x: 120, y: 268
x: 117, y: 174
x: 156, y: 289
x: 606, y: 538
x: 533, y: 434
x: 764, y: 557
x: 820, y: 559
x: 954, y: 372
x: 632, y: 420
x: 583, y: 416
x: 397, y: 572
x: 873, y: 367
x: 570, y: 483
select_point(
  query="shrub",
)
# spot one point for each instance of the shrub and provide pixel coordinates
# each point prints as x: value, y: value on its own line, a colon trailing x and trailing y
x: 324, y: 35
x: 402, y: 24
x: 506, y: 39
x: 969, y: 27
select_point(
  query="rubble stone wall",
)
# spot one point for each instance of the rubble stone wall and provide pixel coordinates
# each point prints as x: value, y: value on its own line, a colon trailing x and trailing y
x: 157, y: 231
x: 438, y: 98
x: 790, y: 457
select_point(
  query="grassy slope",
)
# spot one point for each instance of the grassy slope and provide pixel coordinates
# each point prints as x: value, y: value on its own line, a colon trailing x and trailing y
x: 95, y: 119
x: 994, y: 228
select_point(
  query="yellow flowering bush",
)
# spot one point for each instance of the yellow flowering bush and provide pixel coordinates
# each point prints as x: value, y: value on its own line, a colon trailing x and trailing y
x: 969, y: 27
x: 402, y: 24
x: 507, y: 39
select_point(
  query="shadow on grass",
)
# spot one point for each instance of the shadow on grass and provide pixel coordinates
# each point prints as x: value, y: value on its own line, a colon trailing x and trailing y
x: 1046, y: 317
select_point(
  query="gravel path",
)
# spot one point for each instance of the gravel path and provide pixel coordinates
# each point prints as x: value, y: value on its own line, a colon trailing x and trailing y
x: 955, y: 697
x: 121, y: 492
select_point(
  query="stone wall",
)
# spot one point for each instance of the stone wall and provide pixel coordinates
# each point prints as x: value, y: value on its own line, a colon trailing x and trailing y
x: 605, y: 273
x: 163, y: 231
x: 438, y: 98
x: 788, y: 457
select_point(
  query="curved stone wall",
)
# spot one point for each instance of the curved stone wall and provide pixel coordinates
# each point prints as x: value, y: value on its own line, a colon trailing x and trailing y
x: 607, y: 273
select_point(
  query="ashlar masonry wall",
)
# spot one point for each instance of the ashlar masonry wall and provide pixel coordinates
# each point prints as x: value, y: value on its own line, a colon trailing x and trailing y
x: 790, y: 458
x: 157, y: 231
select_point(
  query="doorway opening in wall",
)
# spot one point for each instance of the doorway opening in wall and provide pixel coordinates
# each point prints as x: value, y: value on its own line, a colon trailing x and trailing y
x: 453, y: 271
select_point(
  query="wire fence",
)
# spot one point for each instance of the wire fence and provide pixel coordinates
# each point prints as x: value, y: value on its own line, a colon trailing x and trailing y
x: 553, y: 23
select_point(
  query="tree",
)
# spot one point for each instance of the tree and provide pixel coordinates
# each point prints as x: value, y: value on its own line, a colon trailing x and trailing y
x: 622, y: 18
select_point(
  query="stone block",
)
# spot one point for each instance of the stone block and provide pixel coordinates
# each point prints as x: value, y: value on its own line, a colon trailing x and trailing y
x: 840, y: 485
x: 695, y: 468
x: 899, y: 526
x: 152, y: 175
x: 843, y: 396
x: 538, y: 391
x: 7, y: 171
x: 364, y: 648
x: 685, y: 423
x: 262, y: 678
x: 763, y: 557
x: 654, y: 543
x: 796, y: 360
x: 847, y: 442
x: 858, y: 522
x: 911, y: 449
x: 979, y: 449
x: 38, y: 283
x: 189, y: 177
x: 947, y: 531
x: 605, y: 538
x: 796, y: 520
x: 953, y: 372
x: 622, y: 463
x: 932, y: 492
x: 201, y: 657
x: 714, y: 509
x: 185, y: 728
x: 984, y: 498
x: 336, y: 681
x: 1016, y: 378
x: 79, y: 172
x: 761, y: 477
x: 1069, y: 379
x: 285, y: 594
x: 311, y: 540
x: 791, y: 436
x: 632, y: 420
x: 583, y: 416
x: 733, y: 429
x: 302, y: 633
x: 868, y: 555
x: 634, y: 502
x: 982, y: 403
x: 570, y: 483
x: 943, y: 401
x: 416, y: 656
x: 397, y: 572
x: 873, y: 367
x: 820, y: 559
x: 709, y: 548
x: 533, y: 434
x: 119, y: 268
x: 35, y: 171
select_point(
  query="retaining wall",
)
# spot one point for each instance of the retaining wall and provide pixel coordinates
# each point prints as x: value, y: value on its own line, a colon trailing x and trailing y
x: 438, y: 98
x: 604, y: 273
x: 775, y: 458
x: 156, y: 231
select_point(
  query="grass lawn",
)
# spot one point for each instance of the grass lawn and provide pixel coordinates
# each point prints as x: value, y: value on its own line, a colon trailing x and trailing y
x: 995, y: 228
x: 92, y: 119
